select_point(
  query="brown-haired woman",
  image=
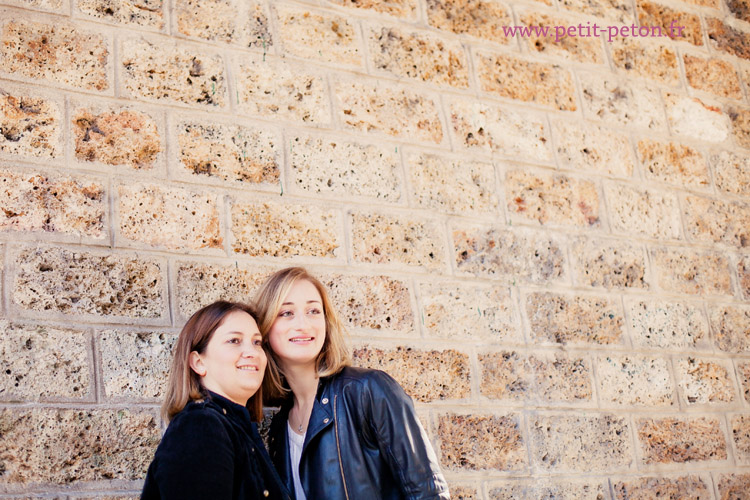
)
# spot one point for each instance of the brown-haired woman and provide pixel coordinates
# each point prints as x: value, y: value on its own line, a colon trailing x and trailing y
x: 342, y: 432
x: 211, y: 448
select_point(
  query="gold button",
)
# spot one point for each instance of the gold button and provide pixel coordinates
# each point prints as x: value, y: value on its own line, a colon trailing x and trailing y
x: 325, y: 420
x: 265, y: 493
x: 324, y: 401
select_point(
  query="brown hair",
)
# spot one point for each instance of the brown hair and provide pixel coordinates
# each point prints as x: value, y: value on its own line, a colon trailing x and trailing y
x: 333, y: 356
x: 184, y: 384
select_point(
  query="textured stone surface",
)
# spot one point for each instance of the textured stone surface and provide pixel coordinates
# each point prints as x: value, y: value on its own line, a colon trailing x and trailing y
x: 673, y: 163
x: 740, y: 119
x: 739, y: 9
x: 551, y: 199
x: 159, y: 72
x: 635, y: 380
x: 135, y: 365
x: 419, y: 56
x: 398, y: 8
x: 494, y: 252
x: 562, y: 378
x: 649, y: 212
x: 389, y: 110
x: 118, y: 137
x: 315, y: 35
x: 452, y: 185
x: 728, y: 39
x: 653, y: 488
x: 477, y: 18
x: 479, y: 442
x: 656, y: 61
x: 743, y: 273
x: 63, y: 446
x: 580, y: 443
x: 689, y: 116
x: 396, y: 239
x: 39, y: 4
x: 569, y: 319
x: 463, y: 491
x: 732, y: 486
x: 232, y: 153
x: 732, y: 173
x: 59, y: 53
x: 424, y: 375
x: 689, y: 271
x: 30, y: 126
x: 712, y: 75
x: 548, y: 85
x: 571, y: 48
x: 741, y: 437
x: 169, y: 217
x: 464, y: 311
x: 656, y: 14
x: 332, y: 167
x: 717, y: 221
x: 621, y: 103
x: 613, y: 10
x: 731, y: 327
x: 296, y: 230
x: 52, y: 203
x: 38, y: 358
x: 667, y: 324
x: 609, y: 263
x: 476, y: 125
x: 242, y: 22
x: 79, y: 282
x: 592, y: 149
x: 743, y: 372
x: 143, y: 13
x: 540, y: 488
x: 681, y: 440
x: 506, y: 375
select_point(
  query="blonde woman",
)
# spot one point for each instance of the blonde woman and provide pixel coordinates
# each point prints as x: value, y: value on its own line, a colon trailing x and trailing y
x: 342, y: 432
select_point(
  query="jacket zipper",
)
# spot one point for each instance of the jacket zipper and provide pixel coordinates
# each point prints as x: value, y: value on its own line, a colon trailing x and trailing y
x: 338, y: 446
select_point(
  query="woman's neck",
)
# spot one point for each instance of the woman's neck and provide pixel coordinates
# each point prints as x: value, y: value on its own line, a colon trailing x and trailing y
x: 303, y: 381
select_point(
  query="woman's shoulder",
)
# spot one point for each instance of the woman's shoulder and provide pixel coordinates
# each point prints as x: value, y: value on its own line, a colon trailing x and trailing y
x: 371, y: 378
x: 196, y: 415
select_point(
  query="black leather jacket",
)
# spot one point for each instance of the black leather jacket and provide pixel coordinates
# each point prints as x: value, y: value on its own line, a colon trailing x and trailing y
x: 363, y: 442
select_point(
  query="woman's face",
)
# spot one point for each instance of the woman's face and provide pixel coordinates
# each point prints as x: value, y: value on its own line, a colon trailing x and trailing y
x: 233, y: 362
x: 299, y: 330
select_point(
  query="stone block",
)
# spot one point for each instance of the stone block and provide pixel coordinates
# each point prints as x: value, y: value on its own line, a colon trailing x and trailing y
x: 649, y: 212
x: 689, y: 271
x: 732, y: 486
x: 397, y: 239
x: 296, y: 229
x: 712, y: 75
x: 582, y: 443
x: 407, y: 9
x: 228, y: 154
x: 452, y: 185
x: 705, y: 381
x: 726, y: 38
x: 731, y: 327
x: 35, y: 201
x: 392, y: 111
x: 30, y: 126
x: 463, y: 491
x: 732, y: 173
x: 743, y: 372
x: 425, y: 375
x: 477, y: 18
x: 419, y: 56
x: 319, y: 36
x: 591, y: 148
x: 51, y: 5
x: 635, y: 380
x: 117, y: 137
x: 574, y: 319
x: 681, y: 440
x: 136, y: 13
x: 741, y: 437
x: 570, y: 48
x: 667, y: 324
x: 478, y: 126
x: 691, y: 117
x: 59, y: 53
x: 464, y: 311
x: 716, y: 221
x: 653, y: 60
x: 613, y: 10
x: 656, y: 14
x: 620, y: 103
x: 489, y: 251
x: 673, y: 163
x: 551, y: 199
x: 135, y: 365
x: 609, y: 264
x: 334, y: 168
x: 562, y: 378
x: 743, y: 273
x: 171, y: 218
x: 740, y: 119
x: 543, y: 488
x: 739, y: 9
x: 482, y: 442
x: 44, y: 363
x: 506, y: 375
x: 548, y: 85
x: 58, y: 280
x: 240, y: 22
x: 691, y: 487
x: 64, y: 446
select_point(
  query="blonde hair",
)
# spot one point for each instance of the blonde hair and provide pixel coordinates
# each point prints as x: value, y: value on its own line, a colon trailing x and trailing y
x: 334, y: 355
x: 184, y: 384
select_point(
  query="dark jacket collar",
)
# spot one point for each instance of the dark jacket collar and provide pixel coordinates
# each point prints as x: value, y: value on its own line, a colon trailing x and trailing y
x: 235, y: 412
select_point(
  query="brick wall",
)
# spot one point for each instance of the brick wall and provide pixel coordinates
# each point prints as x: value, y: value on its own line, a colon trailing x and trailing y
x: 547, y: 244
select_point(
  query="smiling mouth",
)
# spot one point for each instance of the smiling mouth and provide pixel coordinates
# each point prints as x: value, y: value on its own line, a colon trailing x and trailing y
x: 248, y: 368
x: 302, y: 339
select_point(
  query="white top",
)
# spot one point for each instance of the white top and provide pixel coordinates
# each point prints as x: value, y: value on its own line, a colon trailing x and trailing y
x: 295, y: 453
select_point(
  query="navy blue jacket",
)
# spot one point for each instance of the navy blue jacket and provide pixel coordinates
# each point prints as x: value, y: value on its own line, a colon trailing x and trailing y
x: 212, y: 450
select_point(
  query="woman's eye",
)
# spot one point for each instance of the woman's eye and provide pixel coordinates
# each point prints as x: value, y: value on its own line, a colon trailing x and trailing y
x: 314, y: 311
x: 285, y: 314
x: 258, y: 342
x: 233, y: 341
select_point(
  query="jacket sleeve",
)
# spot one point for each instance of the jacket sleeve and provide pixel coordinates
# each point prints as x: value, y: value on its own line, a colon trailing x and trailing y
x: 195, y: 459
x: 402, y: 440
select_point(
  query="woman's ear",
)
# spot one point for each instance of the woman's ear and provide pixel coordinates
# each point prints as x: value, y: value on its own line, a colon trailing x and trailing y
x: 196, y: 363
